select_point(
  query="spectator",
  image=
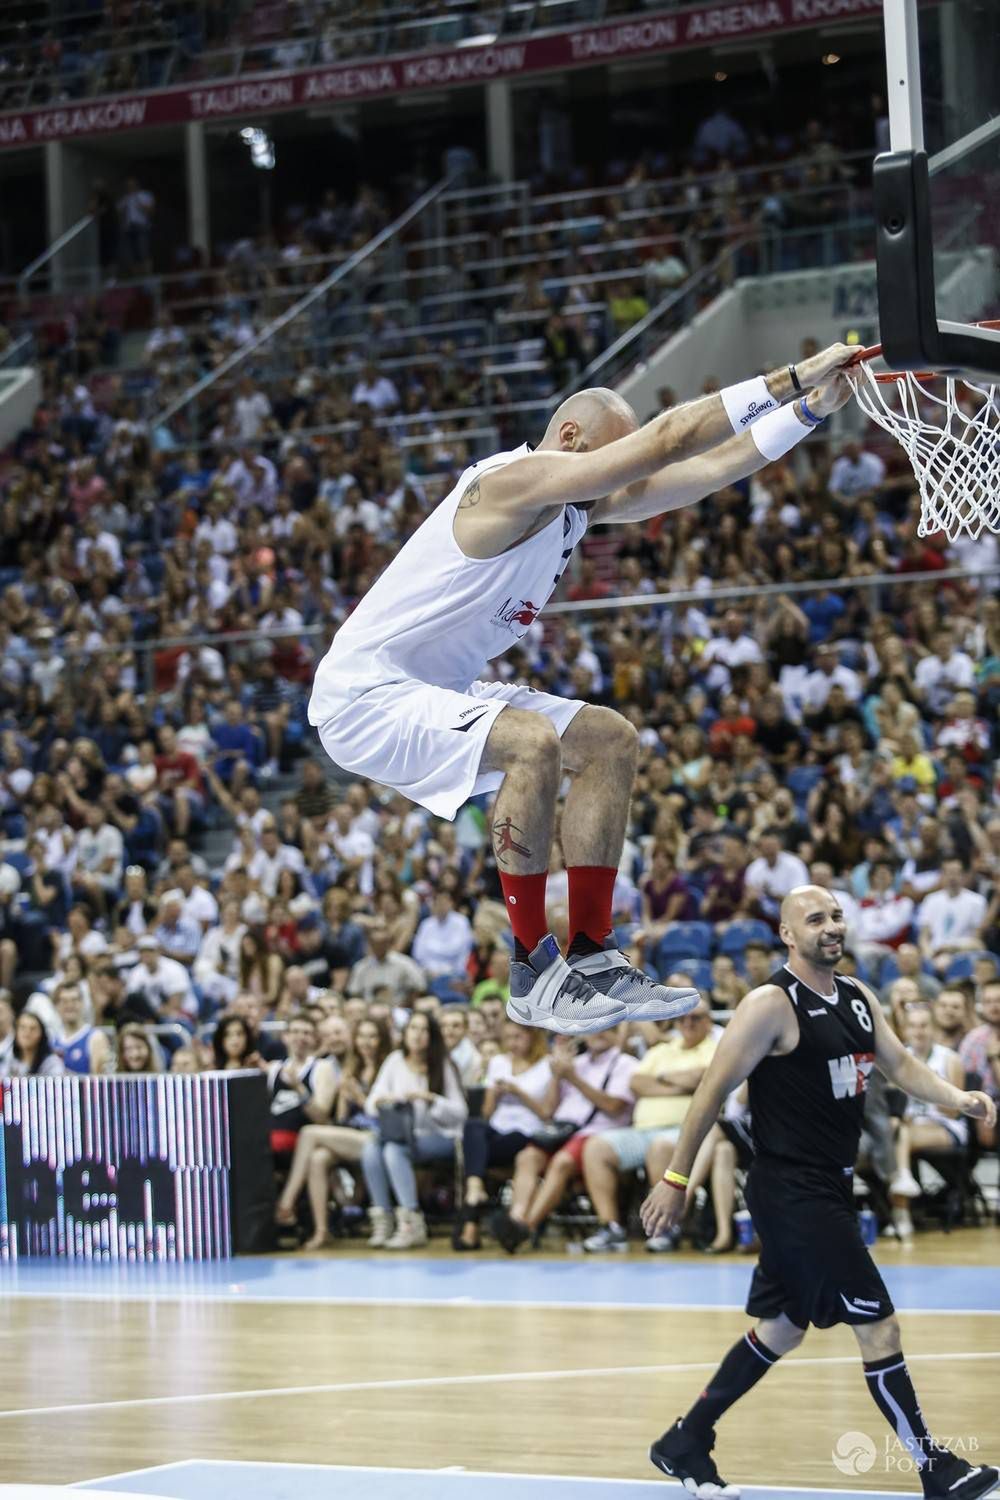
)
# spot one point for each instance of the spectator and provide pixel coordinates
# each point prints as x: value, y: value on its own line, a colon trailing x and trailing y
x: 979, y: 1052
x: 261, y: 969
x: 593, y: 1094
x: 444, y: 939
x: 6, y: 1030
x: 83, y: 1049
x: 163, y: 984
x: 950, y: 920
x: 233, y: 1045
x: 384, y: 971
x: 662, y: 1084
x: 177, y: 935
x: 774, y: 873
x: 856, y: 474
x: 519, y: 1095
x: 303, y: 1087
x: 951, y: 1013
x: 31, y: 1053
x: 924, y: 1127
x: 666, y: 896
x: 884, y: 916
x: 731, y: 649
x: 942, y: 673
x: 321, y: 1149
x: 461, y: 1049
x: 136, y: 1051
x: 422, y: 1077
x: 136, y: 208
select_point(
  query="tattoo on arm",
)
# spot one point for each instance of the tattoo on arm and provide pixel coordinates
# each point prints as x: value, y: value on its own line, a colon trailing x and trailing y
x: 471, y: 496
x: 507, y: 840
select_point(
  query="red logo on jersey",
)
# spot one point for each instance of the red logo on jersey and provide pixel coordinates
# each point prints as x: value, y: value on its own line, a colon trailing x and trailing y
x: 849, y: 1075
x: 516, y: 612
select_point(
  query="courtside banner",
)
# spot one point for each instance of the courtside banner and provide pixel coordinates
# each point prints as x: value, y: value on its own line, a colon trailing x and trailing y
x: 262, y: 94
x: 149, y: 1168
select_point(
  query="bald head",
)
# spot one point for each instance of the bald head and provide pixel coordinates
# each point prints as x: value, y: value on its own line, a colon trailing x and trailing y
x: 812, y: 926
x: 589, y: 420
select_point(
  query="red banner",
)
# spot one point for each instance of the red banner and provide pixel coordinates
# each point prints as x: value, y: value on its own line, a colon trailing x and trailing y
x: 263, y: 94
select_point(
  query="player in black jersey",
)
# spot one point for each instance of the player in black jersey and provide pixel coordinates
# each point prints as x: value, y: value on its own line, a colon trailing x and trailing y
x: 807, y: 1041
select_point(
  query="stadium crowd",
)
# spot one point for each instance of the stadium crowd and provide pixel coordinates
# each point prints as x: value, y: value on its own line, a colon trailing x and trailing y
x: 183, y: 885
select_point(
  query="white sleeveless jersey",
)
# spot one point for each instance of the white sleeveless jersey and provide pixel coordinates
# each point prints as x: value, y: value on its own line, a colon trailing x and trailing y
x: 437, y: 616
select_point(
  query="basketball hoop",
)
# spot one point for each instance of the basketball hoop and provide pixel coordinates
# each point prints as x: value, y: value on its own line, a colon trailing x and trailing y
x: 949, y: 429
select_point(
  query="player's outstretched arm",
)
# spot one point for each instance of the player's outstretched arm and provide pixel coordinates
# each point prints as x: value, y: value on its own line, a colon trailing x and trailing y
x: 915, y: 1078
x: 550, y: 477
x: 764, y: 1021
x: 680, y: 484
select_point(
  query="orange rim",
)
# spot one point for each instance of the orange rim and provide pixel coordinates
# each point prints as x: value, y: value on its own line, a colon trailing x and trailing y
x: 888, y: 377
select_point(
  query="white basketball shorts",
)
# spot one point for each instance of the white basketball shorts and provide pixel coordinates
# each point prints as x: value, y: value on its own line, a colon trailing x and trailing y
x: 427, y: 742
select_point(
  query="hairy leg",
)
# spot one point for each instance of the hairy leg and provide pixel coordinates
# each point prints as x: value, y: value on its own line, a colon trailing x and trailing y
x: 600, y: 749
x: 526, y: 747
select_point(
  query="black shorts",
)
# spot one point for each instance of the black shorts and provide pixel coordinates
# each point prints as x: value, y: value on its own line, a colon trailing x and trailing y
x: 814, y: 1266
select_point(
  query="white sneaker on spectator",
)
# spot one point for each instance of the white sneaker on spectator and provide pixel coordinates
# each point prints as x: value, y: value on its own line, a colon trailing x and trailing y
x: 906, y: 1185
x: 608, y: 1237
x: 380, y: 1220
x: 411, y: 1230
x: 903, y: 1225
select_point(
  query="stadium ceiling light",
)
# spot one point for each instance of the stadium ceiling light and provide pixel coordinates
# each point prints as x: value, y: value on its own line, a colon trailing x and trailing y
x: 484, y: 39
x: 721, y: 77
x: 261, y: 146
x: 829, y: 58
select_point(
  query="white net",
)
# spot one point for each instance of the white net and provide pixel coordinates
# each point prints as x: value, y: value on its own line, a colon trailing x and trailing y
x: 950, y: 431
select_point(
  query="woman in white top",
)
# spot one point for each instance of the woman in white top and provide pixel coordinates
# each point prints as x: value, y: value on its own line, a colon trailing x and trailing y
x: 31, y: 1055
x: 519, y: 1096
x: 422, y: 1075
x: 924, y: 1127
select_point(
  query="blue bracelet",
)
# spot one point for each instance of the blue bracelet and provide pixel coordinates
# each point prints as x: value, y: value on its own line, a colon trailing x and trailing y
x: 810, y: 417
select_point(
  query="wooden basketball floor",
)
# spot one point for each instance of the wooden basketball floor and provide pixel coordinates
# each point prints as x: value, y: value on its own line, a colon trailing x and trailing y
x: 534, y: 1377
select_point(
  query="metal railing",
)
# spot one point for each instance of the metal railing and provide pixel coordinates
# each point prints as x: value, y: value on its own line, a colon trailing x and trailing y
x: 321, y: 290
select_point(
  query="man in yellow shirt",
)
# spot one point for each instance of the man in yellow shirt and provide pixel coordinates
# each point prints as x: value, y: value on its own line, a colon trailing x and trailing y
x: 663, y: 1084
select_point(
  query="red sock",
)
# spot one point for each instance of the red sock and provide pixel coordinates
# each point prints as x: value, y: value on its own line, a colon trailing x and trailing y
x: 524, y: 897
x: 591, y: 892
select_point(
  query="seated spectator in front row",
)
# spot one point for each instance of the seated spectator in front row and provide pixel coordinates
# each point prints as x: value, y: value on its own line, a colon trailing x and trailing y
x: 463, y: 1052
x: 322, y: 1148
x: 422, y: 1075
x: 979, y: 1052
x: 517, y: 1102
x: 30, y: 1054
x: 592, y: 1094
x: 303, y: 1087
x: 663, y: 1084
x: 953, y: 1018
x: 924, y: 1127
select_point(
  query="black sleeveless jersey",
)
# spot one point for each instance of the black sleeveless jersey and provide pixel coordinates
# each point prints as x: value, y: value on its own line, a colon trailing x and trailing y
x: 808, y: 1106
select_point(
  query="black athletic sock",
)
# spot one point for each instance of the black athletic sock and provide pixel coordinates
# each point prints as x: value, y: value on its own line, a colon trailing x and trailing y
x: 521, y: 954
x: 892, y: 1391
x: 745, y: 1364
x: 582, y: 946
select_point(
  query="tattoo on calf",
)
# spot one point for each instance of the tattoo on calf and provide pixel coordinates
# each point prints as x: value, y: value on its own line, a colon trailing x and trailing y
x: 471, y: 496
x: 504, y: 841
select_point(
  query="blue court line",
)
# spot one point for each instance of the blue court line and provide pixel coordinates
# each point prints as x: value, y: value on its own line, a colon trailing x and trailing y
x: 200, y: 1479
x: 611, y: 1282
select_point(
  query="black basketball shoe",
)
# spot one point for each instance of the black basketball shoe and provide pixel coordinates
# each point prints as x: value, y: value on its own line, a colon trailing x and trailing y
x: 947, y: 1477
x: 687, y: 1456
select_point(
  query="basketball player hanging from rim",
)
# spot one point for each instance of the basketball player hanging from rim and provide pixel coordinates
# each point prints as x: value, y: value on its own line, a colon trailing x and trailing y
x: 397, y: 698
x: 808, y: 1040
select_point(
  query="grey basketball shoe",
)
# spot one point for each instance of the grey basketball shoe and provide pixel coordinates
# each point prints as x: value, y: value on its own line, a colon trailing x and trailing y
x: 646, y: 1000
x: 546, y: 992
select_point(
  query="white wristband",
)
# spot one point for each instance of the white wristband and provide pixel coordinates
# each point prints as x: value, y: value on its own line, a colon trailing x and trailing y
x: 747, y: 401
x: 779, y: 431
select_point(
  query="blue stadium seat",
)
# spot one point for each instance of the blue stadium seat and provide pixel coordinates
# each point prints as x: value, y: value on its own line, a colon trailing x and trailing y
x: 738, y: 934
x: 699, y: 969
x: 890, y: 969
x: 20, y: 861
x: 447, y: 991
x: 683, y: 940
x: 962, y: 965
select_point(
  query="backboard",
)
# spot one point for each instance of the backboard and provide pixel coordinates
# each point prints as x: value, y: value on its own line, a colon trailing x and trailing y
x: 937, y: 191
